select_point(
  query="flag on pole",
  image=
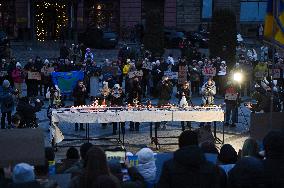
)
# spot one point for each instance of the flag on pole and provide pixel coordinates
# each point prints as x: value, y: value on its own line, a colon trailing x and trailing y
x: 274, y: 22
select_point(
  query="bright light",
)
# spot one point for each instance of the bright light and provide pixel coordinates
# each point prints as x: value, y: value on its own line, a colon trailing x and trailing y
x: 238, y: 77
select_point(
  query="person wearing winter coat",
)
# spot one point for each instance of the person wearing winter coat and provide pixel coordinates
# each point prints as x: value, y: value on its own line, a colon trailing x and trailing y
x: 80, y: 95
x: 232, y: 101
x: 7, y: 103
x: 208, y: 91
x: 89, y: 56
x: 185, y: 91
x: 165, y: 88
x: 134, y: 90
x: 18, y: 78
x: 189, y: 168
x: 147, y: 166
x: 27, y: 111
x: 116, y: 98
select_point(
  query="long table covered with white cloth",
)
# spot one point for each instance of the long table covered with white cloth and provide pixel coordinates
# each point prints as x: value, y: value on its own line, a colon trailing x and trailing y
x: 108, y: 115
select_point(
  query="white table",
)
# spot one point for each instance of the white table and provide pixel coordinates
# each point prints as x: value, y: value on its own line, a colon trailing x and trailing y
x: 90, y: 115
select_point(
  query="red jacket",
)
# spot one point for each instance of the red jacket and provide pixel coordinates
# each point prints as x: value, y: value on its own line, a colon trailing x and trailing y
x: 17, y: 76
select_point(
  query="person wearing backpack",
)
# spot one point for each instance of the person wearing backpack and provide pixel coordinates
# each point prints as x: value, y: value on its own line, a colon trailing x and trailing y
x: 7, y: 103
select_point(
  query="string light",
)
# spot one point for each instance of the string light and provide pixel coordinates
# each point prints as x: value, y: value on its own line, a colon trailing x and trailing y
x: 41, y: 26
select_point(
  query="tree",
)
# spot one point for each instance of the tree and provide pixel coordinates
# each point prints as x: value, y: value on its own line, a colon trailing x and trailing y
x: 154, y: 33
x: 223, y: 36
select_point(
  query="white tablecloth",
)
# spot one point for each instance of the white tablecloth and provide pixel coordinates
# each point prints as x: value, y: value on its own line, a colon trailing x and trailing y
x: 109, y: 116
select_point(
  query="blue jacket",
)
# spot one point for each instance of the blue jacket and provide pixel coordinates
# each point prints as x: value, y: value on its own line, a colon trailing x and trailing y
x: 6, y: 99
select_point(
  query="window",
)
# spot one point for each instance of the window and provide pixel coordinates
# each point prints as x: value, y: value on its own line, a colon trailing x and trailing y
x: 253, y: 11
x: 207, y: 9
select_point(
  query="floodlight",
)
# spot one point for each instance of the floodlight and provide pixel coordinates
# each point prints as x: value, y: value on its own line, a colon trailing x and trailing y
x: 238, y: 77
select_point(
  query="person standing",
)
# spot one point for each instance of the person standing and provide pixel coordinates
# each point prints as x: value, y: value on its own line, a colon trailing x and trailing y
x: 185, y: 91
x: 232, y: 103
x: 94, y: 73
x: 7, y: 103
x: 80, y: 95
x: 18, y: 78
x: 208, y: 91
x: 116, y: 99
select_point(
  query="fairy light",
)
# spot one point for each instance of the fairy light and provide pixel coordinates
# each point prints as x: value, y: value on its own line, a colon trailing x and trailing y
x: 62, y: 19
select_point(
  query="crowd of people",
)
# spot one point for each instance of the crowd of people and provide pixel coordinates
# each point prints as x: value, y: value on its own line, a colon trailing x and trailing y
x: 136, y: 75
x: 189, y: 167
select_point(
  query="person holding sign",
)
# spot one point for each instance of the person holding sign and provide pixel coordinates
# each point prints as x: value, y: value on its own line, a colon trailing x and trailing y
x: 232, y: 101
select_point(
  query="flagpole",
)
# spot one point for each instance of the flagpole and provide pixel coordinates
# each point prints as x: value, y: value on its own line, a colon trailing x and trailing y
x: 274, y: 6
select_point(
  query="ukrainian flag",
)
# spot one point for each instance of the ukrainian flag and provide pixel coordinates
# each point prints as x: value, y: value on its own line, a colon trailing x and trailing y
x: 275, y: 18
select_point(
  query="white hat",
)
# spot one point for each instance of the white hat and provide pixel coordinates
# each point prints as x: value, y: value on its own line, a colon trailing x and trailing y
x: 6, y: 83
x: 223, y: 62
x: 145, y: 155
x: 18, y: 64
x: 23, y: 173
x: 46, y: 61
x: 128, y: 61
x: 116, y: 86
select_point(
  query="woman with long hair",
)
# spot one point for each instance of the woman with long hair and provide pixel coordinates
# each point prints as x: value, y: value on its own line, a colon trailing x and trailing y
x: 95, y: 165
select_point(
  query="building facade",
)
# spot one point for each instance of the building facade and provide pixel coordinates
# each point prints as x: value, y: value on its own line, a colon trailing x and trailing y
x: 52, y: 19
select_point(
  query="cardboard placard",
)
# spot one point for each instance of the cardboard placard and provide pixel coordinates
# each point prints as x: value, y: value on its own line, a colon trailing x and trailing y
x: 275, y: 73
x: 147, y: 65
x: 209, y: 71
x: 260, y: 74
x: 231, y: 96
x: 117, y: 155
x: 3, y: 73
x: 171, y: 75
x: 34, y: 76
x: 135, y: 73
x: 21, y: 145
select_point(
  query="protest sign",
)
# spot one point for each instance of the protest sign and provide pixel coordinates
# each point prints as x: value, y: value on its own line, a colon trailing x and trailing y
x: 182, y: 74
x: 171, y: 75
x: 67, y: 81
x: 231, y: 96
x: 260, y: 74
x: 147, y: 65
x: 135, y: 73
x: 21, y: 145
x: 34, y: 75
x: 117, y: 155
x: 209, y: 71
x: 275, y: 73
x: 3, y: 73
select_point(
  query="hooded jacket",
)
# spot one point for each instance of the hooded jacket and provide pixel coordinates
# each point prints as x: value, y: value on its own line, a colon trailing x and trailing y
x: 189, y: 169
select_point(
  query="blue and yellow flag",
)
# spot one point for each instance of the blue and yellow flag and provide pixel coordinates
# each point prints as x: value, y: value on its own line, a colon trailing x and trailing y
x: 274, y: 21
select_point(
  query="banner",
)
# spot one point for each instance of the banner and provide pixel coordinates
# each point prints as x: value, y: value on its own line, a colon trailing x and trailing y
x: 260, y: 74
x: 34, y: 75
x: 209, y: 71
x: 135, y: 73
x: 171, y: 75
x: 182, y: 74
x: 147, y: 65
x: 275, y: 73
x: 116, y: 155
x: 67, y: 81
x: 3, y: 73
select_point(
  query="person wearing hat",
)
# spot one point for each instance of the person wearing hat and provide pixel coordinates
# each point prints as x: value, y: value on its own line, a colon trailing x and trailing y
x: 147, y: 167
x: 7, y: 103
x: 24, y: 176
x: 89, y: 56
x: 18, y: 78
